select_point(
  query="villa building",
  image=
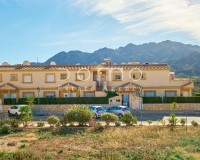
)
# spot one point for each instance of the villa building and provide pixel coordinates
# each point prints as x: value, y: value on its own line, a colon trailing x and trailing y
x: 133, y: 78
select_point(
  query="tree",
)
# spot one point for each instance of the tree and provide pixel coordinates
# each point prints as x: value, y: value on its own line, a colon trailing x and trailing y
x: 30, y: 101
x: 172, y: 118
x: 25, y: 115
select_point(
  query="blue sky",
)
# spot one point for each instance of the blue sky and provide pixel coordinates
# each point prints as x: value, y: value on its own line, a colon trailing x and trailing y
x: 42, y: 28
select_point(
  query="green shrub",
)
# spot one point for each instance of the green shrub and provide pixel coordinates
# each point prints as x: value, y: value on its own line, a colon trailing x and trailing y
x: 183, y: 121
x: 40, y: 124
x: 14, y: 123
x: 22, y: 146
x: 118, y: 124
x: 63, y: 120
x: 172, y: 119
x: 194, y: 123
x: 98, y: 127
x: 129, y: 119
x: 108, y: 118
x: 5, y: 129
x: 25, y: 115
x: 52, y: 120
x: 4, y: 121
x: 149, y: 122
x: 79, y: 114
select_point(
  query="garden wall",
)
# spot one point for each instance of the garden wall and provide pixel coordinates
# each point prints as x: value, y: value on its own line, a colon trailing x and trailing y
x: 167, y: 106
x: 50, y: 109
x: 57, y: 108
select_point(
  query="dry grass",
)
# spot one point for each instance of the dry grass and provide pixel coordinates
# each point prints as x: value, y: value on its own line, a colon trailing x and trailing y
x: 113, y: 143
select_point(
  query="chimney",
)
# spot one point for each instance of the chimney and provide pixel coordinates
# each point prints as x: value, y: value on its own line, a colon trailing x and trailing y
x: 171, y: 75
x: 107, y: 61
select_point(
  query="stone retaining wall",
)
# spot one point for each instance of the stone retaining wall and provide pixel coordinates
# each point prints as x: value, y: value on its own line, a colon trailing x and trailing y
x: 57, y: 108
x: 167, y: 106
x: 63, y: 108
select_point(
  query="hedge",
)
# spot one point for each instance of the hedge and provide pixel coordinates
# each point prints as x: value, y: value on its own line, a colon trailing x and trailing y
x: 171, y: 99
x: 101, y: 100
x: 152, y: 99
x: 74, y: 100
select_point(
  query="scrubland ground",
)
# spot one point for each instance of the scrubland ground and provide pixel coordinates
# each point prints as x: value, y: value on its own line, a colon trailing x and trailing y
x: 113, y: 143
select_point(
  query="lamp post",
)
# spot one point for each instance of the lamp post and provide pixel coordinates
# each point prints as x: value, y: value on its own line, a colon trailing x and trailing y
x: 140, y: 104
x: 38, y: 89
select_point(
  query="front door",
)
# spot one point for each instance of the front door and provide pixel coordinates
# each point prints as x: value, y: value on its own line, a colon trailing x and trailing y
x: 102, y: 79
x: 125, y: 100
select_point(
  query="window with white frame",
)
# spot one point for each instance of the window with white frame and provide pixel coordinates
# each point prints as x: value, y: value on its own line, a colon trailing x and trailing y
x: 149, y: 93
x: 66, y: 95
x: 63, y: 76
x: 27, y: 78
x: 88, y: 94
x: 28, y: 94
x: 170, y: 93
x: 13, y: 77
x: 117, y: 77
x: 80, y: 76
x: 49, y: 94
x: 50, y: 78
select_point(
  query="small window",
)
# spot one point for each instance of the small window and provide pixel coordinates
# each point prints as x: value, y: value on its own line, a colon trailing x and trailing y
x: 134, y: 76
x: 49, y: 94
x: 63, y: 76
x: 73, y: 94
x: 13, y: 77
x: 28, y: 94
x: 80, y: 77
x: 117, y: 77
x: 149, y: 93
x: 143, y: 76
x: 50, y: 78
x: 170, y: 93
x: 88, y: 94
x: 27, y: 78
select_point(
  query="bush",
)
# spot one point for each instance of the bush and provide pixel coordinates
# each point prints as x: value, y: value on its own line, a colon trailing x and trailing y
x: 40, y: 124
x: 63, y: 120
x: 79, y: 114
x: 14, y: 123
x: 183, y: 121
x: 194, y: 123
x: 99, y: 127
x: 149, y: 122
x: 25, y: 115
x: 5, y: 129
x: 173, y: 120
x: 118, y: 124
x: 4, y: 121
x: 52, y: 120
x: 108, y: 118
x: 129, y: 119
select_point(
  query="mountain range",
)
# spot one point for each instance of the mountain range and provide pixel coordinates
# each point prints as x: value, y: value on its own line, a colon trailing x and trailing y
x: 184, y: 59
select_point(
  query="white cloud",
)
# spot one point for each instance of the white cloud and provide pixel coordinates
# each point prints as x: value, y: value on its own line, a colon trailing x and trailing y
x: 148, y: 16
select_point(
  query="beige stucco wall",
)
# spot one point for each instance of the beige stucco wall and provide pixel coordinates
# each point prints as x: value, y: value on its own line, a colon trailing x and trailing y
x: 155, y: 80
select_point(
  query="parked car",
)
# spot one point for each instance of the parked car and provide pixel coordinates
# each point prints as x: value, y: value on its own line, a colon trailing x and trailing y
x: 97, y: 110
x: 14, y: 110
x: 119, y: 110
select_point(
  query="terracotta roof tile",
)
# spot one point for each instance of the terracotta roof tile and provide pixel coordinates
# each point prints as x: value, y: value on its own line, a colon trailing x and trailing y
x: 73, y: 67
